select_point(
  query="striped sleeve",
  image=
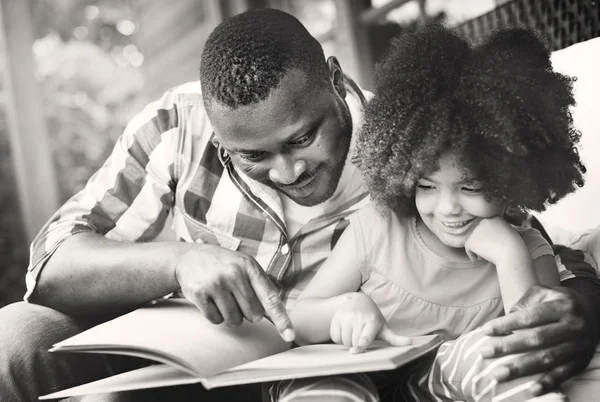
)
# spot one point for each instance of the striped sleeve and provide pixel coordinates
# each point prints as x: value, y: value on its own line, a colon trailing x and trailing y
x: 576, y: 264
x: 129, y: 197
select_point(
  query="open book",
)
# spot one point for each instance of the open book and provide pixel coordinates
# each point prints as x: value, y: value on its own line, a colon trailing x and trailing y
x: 191, y: 350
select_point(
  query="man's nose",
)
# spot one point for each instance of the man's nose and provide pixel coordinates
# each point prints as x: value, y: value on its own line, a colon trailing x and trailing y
x: 286, y: 169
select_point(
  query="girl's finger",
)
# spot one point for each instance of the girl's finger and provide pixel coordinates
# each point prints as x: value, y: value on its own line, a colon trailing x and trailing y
x: 366, y: 338
x: 357, y: 331
x: 346, y: 329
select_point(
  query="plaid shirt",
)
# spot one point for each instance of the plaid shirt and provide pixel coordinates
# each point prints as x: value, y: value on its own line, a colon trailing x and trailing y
x: 165, y: 166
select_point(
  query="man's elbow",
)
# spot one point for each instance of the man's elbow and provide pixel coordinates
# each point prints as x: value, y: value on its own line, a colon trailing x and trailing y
x: 46, y: 292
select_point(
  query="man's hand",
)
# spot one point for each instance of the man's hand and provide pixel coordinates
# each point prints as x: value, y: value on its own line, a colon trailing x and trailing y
x: 230, y: 286
x: 556, y: 331
x: 358, y: 322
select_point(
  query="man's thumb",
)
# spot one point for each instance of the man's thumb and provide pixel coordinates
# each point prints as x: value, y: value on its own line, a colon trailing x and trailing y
x: 386, y: 334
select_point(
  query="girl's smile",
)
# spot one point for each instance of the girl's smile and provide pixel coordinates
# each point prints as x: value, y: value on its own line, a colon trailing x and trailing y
x: 457, y: 227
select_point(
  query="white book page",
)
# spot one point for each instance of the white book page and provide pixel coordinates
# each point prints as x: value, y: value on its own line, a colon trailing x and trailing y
x: 330, y: 355
x: 176, y: 330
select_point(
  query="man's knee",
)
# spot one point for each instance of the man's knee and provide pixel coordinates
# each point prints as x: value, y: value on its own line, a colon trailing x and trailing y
x: 28, y: 331
x: 28, y: 327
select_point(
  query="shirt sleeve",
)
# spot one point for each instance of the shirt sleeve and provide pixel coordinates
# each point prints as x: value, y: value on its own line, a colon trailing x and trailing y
x: 571, y: 263
x: 537, y: 245
x: 368, y: 227
x: 130, y: 197
x: 576, y: 264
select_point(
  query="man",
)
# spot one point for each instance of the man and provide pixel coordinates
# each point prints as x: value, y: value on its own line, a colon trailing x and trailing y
x: 256, y: 176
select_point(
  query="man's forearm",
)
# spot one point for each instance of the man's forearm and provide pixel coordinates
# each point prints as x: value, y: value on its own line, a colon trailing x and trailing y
x: 91, y: 274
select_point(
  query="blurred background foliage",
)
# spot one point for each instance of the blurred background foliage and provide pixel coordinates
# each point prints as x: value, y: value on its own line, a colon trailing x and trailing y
x: 89, y: 72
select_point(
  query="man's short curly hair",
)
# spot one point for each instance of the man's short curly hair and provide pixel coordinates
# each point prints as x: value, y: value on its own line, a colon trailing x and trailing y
x: 246, y: 56
x: 499, y: 107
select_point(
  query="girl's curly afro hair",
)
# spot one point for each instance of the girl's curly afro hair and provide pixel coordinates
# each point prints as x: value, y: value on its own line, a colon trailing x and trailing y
x: 499, y: 107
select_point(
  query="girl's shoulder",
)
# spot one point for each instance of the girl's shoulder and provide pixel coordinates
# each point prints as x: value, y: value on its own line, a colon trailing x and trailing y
x: 375, y: 221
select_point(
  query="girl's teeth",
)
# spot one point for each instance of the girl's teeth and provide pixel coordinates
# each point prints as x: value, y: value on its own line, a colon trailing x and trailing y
x: 456, y: 225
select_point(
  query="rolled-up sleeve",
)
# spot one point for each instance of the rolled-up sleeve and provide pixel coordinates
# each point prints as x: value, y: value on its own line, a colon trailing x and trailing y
x: 129, y: 198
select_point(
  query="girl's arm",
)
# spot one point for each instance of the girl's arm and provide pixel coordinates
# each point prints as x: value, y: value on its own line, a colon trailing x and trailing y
x: 496, y: 241
x: 517, y: 278
x: 516, y: 272
x: 334, y: 284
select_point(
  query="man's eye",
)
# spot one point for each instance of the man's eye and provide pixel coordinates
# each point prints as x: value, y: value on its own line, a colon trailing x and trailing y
x: 301, y: 140
x: 304, y: 139
x: 252, y: 156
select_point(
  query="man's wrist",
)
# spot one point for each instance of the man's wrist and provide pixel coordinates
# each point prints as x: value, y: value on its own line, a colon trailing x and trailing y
x: 177, y: 251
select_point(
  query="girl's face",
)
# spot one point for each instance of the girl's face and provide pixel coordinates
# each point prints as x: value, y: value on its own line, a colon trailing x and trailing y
x: 451, y: 204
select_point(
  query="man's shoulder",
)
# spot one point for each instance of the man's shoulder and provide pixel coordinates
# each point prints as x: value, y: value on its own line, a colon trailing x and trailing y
x: 187, y: 94
x: 179, y: 113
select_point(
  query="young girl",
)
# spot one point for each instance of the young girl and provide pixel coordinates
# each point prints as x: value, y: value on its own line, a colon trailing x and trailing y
x: 453, y: 136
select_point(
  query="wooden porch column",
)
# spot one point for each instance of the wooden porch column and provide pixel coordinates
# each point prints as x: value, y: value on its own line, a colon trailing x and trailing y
x: 351, y: 41
x: 31, y: 152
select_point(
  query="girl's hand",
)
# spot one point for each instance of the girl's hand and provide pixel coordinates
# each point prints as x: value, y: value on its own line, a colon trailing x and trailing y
x: 358, y: 322
x: 493, y: 239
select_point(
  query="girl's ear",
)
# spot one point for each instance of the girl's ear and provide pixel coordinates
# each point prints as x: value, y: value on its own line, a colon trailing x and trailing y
x: 336, y: 75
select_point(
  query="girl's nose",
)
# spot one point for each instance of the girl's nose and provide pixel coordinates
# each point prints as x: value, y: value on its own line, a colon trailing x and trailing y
x: 448, y: 204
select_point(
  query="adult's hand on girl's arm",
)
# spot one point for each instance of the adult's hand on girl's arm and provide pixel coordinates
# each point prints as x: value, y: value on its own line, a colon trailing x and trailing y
x: 557, y: 329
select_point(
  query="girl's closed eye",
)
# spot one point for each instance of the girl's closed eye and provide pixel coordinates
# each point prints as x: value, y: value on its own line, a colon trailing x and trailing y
x: 425, y: 186
x: 473, y: 190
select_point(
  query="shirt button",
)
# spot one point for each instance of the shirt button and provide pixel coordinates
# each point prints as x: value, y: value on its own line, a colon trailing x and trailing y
x: 285, y: 249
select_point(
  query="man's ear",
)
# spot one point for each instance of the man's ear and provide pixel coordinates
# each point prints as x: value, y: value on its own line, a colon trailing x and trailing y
x: 336, y: 75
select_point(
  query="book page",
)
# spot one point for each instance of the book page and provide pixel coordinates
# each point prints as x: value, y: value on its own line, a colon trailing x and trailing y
x: 176, y: 332
x: 323, y: 355
x: 322, y: 360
